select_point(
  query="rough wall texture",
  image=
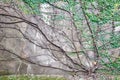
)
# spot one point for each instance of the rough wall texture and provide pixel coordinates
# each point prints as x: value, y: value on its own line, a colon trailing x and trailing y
x: 13, y: 40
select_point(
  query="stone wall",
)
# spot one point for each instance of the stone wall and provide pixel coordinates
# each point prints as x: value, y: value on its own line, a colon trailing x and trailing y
x: 53, y: 29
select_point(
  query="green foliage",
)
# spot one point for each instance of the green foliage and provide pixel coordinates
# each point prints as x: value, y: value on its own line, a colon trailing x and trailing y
x: 25, y: 77
x: 115, y: 41
x: 109, y: 77
x: 112, y: 66
x: 107, y: 10
x: 33, y: 4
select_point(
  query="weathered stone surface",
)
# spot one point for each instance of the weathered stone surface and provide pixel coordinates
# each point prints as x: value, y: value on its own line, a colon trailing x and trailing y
x: 14, y: 41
